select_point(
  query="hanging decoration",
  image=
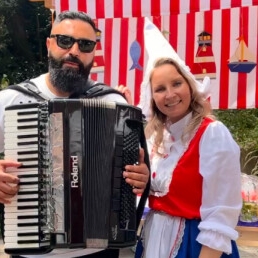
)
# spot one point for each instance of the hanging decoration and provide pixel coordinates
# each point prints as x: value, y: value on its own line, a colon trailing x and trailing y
x: 243, y: 61
x: 204, y: 64
x: 135, y: 54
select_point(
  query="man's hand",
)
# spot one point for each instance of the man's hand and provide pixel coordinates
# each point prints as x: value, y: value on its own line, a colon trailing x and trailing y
x: 8, y: 183
x: 126, y: 92
x: 137, y: 175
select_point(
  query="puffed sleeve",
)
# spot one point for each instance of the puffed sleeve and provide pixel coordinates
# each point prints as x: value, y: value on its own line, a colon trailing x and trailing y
x: 221, y: 195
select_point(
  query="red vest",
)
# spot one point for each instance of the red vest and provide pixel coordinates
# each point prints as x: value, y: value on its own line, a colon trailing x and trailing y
x: 185, y: 191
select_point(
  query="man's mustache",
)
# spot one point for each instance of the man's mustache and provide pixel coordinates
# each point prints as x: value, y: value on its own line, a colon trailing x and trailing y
x: 73, y: 59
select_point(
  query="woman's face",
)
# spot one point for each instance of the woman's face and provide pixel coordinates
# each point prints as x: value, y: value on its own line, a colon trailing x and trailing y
x: 171, y: 92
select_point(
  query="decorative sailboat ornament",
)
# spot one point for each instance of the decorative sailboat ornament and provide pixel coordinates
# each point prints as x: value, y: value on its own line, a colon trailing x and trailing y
x: 243, y: 61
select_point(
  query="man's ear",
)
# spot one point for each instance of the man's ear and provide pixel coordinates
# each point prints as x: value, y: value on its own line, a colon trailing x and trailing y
x: 48, y: 44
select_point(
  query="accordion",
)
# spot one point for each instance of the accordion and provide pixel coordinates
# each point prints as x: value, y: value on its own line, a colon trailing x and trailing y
x: 72, y: 191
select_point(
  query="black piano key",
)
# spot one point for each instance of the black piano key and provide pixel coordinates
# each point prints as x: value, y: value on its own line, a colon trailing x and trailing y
x: 27, y: 216
x: 27, y: 234
x: 28, y: 183
x: 21, y: 127
x: 24, y: 120
x: 27, y: 159
x: 28, y: 166
x: 25, y: 113
x: 27, y: 143
x: 26, y: 136
x: 28, y: 176
x: 27, y: 241
x: 28, y: 192
x: 27, y: 200
x: 28, y: 224
x: 27, y: 207
x: 27, y: 152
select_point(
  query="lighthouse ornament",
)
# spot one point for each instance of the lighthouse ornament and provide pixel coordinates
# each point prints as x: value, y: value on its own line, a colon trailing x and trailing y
x: 204, y: 64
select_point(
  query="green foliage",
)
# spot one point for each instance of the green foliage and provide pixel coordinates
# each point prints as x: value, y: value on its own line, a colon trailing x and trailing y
x: 243, y: 125
x: 4, y: 82
x: 24, y: 27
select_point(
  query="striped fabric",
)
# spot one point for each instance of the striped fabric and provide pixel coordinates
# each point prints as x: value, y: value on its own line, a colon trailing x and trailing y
x: 181, y: 23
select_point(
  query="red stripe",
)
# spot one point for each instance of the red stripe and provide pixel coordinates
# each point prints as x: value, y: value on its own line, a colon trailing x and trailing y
x: 108, y: 50
x: 94, y: 76
x: 139, y: 73
x: 118, y: 8
x: 208, y: 18
x: 157, y: 22
x: 173, y: 31
x: 136, y: 8
x: 242, y: 77
x: 215, y: 4
x: 194, y: 6
x: 123, y: 51
x: 64, y: 5
x: 82, y: 6
x: 190, y: 37
x: 175, y: 6
x: 225, y: 52
x: 100, y: 8
x: 155, y: 7
x: 236, y: 3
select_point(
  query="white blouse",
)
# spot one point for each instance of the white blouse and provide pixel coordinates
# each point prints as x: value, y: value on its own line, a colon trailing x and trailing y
x: 221, y: 190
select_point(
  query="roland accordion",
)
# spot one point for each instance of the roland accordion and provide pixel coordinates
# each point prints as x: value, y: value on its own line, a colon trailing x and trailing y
x: 72, y: 192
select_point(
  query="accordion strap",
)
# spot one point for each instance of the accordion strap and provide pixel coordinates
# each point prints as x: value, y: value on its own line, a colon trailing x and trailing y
x: 29, y: 88
x: 145, y: 194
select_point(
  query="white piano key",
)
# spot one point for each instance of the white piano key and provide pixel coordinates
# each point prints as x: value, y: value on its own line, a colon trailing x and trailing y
x: 23, y: 197
x: 15, y: 152
x: 13, y: 129
x: 27, y: 156
x: 13, y: 233
x: 10, y: 239
x: 24, y: 246
x: 20, y: 116
x: 25, y: 187
x: 23, y: 172
x: 8, y: 221
x: 22, y: 140
x: 33, y: 203
x: 9, y: 135
x: 14, y: 227
x: 9, y: 124
x: 18, y: 147
x: 14, y: 112
x: 12, y: 215
x: 14, y: 209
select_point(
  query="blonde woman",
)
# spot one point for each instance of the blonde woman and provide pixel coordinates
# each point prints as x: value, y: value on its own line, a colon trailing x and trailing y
x: 195, y: 197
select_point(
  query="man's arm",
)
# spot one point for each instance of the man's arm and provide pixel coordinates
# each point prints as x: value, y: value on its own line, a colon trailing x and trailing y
x: 137, y: 175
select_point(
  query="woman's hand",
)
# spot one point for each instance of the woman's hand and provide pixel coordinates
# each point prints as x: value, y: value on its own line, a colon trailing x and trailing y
x: 126, y: 92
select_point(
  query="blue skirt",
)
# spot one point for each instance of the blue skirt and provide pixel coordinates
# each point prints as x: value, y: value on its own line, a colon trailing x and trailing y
x: 189, y: 247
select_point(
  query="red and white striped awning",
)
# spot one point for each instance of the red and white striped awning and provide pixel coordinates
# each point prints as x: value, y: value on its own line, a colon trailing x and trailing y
x: 99, y: 9
x: 122, y: 23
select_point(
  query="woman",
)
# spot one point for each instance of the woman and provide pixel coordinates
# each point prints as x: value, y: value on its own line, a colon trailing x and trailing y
x: 195, y: 196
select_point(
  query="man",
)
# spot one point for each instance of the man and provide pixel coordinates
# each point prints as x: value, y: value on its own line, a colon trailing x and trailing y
x: 71, y: 48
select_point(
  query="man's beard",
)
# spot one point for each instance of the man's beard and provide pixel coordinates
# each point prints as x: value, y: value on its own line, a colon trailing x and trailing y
x: 67, y: 79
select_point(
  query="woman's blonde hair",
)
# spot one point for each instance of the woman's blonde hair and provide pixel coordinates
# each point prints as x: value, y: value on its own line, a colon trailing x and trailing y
x: 199, y: 107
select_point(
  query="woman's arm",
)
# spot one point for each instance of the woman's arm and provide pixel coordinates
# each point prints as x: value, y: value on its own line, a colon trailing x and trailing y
x: 207, y: 252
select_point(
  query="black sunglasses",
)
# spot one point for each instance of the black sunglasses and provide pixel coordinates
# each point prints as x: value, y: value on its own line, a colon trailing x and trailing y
x: 66, y: 42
